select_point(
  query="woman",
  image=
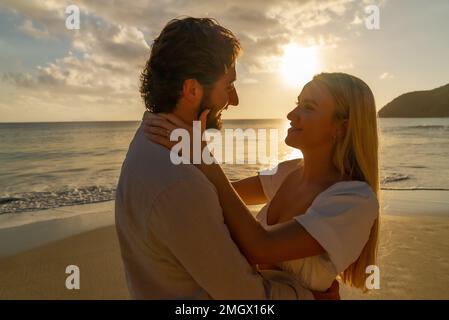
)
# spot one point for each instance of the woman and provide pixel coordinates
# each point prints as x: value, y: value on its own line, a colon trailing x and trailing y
x: 321, y: 219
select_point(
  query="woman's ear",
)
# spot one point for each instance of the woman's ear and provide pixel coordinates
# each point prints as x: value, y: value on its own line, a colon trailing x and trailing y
x: 343, y: 129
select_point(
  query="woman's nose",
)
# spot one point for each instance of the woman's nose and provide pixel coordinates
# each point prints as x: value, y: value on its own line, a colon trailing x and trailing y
x: 291, y: 115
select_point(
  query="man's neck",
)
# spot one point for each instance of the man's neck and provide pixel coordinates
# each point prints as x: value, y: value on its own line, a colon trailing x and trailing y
x: 185, y: 115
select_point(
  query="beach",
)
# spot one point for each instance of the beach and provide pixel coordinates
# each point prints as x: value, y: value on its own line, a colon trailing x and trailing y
x: 413, y: 251
x: 332, y: 82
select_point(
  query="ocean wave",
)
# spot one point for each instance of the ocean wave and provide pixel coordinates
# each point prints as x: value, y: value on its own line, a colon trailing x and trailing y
x: 415, y: 189
x: 33, y: 201
x: 415, y: 128
x: 414, y: 167
x: 428, y: 127
x: 9, y: 199
x: 394, y: 177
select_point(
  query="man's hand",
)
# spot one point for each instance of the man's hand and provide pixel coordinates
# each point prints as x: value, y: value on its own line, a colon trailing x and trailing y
x: 330, y: 294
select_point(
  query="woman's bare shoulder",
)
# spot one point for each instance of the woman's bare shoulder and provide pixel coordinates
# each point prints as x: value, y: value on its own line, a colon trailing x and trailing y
x: 289, y: 166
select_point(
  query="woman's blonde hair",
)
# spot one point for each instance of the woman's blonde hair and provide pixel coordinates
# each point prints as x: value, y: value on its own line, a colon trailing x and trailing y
x: 356, y: 154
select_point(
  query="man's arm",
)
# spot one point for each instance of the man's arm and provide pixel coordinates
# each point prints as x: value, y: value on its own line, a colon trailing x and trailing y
x: 188, y: 218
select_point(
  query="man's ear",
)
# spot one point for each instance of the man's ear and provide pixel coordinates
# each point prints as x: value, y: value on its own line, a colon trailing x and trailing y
x: 192, y: 91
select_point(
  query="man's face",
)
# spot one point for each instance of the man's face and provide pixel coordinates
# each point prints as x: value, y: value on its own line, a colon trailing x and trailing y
x: 219, y: 97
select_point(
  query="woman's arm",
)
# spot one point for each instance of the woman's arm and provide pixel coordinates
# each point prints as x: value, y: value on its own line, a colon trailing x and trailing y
x: 250, y: 190
x: 268, y: 267
x: 281, y: 242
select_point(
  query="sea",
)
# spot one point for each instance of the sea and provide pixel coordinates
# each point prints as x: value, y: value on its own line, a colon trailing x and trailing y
x: 49, y: 165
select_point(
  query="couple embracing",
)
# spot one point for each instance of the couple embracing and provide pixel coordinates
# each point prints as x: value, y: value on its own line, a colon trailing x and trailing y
x: 185, y: 230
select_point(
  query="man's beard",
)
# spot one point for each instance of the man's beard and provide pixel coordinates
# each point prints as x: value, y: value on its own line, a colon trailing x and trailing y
x: 212, y: 121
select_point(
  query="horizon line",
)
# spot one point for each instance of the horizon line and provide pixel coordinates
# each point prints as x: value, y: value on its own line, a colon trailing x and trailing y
x: 78, y: 121
x: 235, y: 119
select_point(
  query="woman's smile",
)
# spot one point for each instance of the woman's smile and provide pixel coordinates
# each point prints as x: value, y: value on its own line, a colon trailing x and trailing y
x: 293, y: 128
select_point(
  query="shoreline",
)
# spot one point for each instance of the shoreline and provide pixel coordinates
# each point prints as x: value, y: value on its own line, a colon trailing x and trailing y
x: 35, y: 249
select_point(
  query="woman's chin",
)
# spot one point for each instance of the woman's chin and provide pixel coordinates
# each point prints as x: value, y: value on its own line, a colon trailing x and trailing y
x: 292, y: 142
x: 289, y: 141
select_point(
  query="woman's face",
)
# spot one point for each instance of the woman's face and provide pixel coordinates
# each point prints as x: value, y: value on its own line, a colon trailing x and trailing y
x: 312, y: 121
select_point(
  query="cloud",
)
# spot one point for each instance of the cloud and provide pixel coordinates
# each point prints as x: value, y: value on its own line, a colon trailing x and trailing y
x: 105, y: 57
x: 385, y: 76
x: 29, y: 29
x: 49, y: 14
x: 357, y: 20
x: 108, y: 52
x: 304, y: 15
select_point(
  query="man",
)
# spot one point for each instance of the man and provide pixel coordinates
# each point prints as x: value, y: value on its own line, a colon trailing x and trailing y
x: 173, y: 239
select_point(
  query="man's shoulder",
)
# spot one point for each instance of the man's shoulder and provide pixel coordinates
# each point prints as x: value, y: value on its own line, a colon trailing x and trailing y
x: 149, y: 166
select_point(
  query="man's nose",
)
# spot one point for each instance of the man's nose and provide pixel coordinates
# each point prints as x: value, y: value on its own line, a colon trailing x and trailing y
x: 233, y: 98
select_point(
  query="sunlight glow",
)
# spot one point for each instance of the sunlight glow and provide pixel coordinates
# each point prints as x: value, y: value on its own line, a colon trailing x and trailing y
x: 299, y: 64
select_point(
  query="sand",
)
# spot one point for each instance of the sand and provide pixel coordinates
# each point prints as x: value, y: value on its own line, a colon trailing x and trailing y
x: 413, y: 254
x: 40, y: 273
x: 413, y: 260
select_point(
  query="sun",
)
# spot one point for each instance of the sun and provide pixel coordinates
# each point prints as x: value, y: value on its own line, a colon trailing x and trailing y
x: 299, y: 64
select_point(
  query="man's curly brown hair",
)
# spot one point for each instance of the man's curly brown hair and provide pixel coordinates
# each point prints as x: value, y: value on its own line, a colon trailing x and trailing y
x: 188, y: 48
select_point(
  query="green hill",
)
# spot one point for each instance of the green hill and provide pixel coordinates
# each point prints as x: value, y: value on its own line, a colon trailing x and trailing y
x: 419, y: 104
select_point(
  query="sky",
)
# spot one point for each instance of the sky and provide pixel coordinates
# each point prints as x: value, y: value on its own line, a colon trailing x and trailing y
x: 51, y: 73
